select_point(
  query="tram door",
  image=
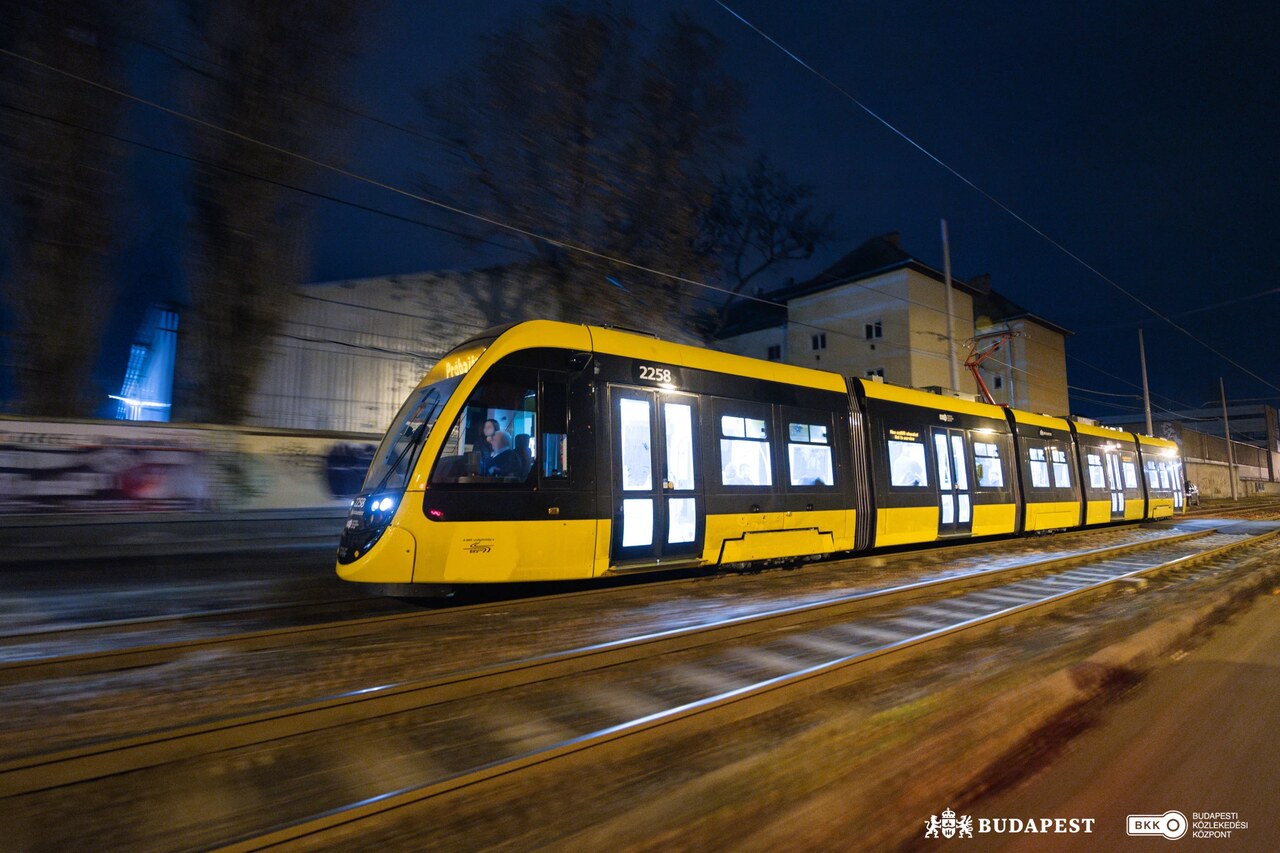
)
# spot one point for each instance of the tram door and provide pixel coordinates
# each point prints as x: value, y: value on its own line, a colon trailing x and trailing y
x: 658, y: 508
x: 954, y: 498
x: 1115, y: 479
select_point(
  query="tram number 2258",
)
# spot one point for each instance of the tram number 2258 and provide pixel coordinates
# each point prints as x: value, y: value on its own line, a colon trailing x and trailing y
x: 649, y: 373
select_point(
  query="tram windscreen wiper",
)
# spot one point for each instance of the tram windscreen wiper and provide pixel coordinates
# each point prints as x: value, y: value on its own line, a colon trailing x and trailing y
x: 415, y: 437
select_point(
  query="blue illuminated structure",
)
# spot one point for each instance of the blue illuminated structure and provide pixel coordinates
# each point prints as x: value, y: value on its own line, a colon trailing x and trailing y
x: 147, y: 392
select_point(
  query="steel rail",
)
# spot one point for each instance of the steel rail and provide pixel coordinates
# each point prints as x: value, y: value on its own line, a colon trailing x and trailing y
x: 51, y: 633
x: 694, y: 717
x: 132, y: 657
x: 41, y: 771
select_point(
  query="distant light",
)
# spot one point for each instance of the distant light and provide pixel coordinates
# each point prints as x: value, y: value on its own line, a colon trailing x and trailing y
x: 142, y: 404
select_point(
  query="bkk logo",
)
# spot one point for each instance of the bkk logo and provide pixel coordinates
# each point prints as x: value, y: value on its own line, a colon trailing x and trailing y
x: 1172, y: 824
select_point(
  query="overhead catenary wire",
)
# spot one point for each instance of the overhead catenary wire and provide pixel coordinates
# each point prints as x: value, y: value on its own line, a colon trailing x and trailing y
x: 415, y: 196
x: 1001, y: 205
x: 352, y: 175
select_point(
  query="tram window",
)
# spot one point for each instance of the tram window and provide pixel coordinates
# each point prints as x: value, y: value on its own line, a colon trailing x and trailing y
x: 745, y: 458
x: 1039, y: 468
x: 1166, y: 481
x: 1061, y: 471
x: 1130, y: 475
x: 1097, y: 476
x: 491, y: 441
x: 553, y: 446
x: 907, y: 464
x: 986, y: 464
x: 809, y: 455
x: 1156, y: 476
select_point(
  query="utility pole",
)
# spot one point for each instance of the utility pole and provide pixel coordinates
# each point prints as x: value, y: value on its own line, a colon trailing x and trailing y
x: 1226, y: 431
x: 951, y: 311
x: 1146, y: 394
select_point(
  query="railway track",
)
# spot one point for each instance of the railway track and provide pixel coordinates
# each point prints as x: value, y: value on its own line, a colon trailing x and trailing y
x: 114, y: 645
x: 441, y: 736
x: 24, y: 647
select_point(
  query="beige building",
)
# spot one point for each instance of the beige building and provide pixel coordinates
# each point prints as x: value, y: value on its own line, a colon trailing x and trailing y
x: 880, y: 312
x: 1029, y: 371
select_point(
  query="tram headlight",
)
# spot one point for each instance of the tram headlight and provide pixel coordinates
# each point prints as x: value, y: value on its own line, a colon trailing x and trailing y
x: 366, y: 522
x: 380, y: 510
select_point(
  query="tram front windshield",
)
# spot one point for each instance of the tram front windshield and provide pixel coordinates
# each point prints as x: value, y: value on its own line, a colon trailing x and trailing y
x: 403, y: 443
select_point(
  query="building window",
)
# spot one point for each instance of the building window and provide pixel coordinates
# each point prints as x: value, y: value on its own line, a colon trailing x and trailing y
x: 775, y: 352
x: 874, y: 330
x: 997, y: 383
x: 820, y: 341
x: 878, y: 371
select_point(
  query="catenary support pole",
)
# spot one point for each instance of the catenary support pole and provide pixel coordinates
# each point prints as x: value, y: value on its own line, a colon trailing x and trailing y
x: 1226, y: 431
x: 1146, y: 393
x: 951, y: 310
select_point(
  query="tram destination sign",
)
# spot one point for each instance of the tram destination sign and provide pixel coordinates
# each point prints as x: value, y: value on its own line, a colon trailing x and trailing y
x: 662, y: 375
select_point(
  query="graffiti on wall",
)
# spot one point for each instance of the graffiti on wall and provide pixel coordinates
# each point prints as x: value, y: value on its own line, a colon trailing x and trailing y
x: 42, y: 472
x: 85, y: 467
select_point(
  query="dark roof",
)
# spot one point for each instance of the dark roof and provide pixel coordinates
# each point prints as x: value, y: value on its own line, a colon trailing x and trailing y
x: 1001, y: 309
x: 875, y: 257
x: 751, y: 315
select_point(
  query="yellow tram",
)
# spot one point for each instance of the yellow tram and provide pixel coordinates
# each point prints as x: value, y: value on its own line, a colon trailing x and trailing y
x: 547, y: 450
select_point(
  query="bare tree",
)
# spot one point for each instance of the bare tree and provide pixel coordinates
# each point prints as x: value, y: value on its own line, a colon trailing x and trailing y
x: 758, y: 221
x: 60, y: 174
x: 567, y: 129
x: 271, y: 66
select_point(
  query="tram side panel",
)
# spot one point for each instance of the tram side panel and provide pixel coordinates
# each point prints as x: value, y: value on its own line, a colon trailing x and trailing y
x: 940, y: 469
x: 1108, y: 474
x: 1052, y: 497
x: 1161, y: 475
x: 705, y: 467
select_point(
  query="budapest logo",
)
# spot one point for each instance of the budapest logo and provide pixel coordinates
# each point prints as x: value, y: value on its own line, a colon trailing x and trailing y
x: 949, y: 826
x: 1172, y: 824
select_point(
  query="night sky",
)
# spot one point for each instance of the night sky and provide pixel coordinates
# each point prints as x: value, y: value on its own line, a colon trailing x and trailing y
x: 1139, y: 136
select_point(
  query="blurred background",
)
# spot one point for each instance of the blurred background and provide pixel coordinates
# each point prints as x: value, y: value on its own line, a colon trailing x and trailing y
x: 279, y: 216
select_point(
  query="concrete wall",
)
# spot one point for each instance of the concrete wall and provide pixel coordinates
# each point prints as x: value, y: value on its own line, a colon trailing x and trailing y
x: 351, y: 351
x: 53, y: 467
x: 1205, y: 457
